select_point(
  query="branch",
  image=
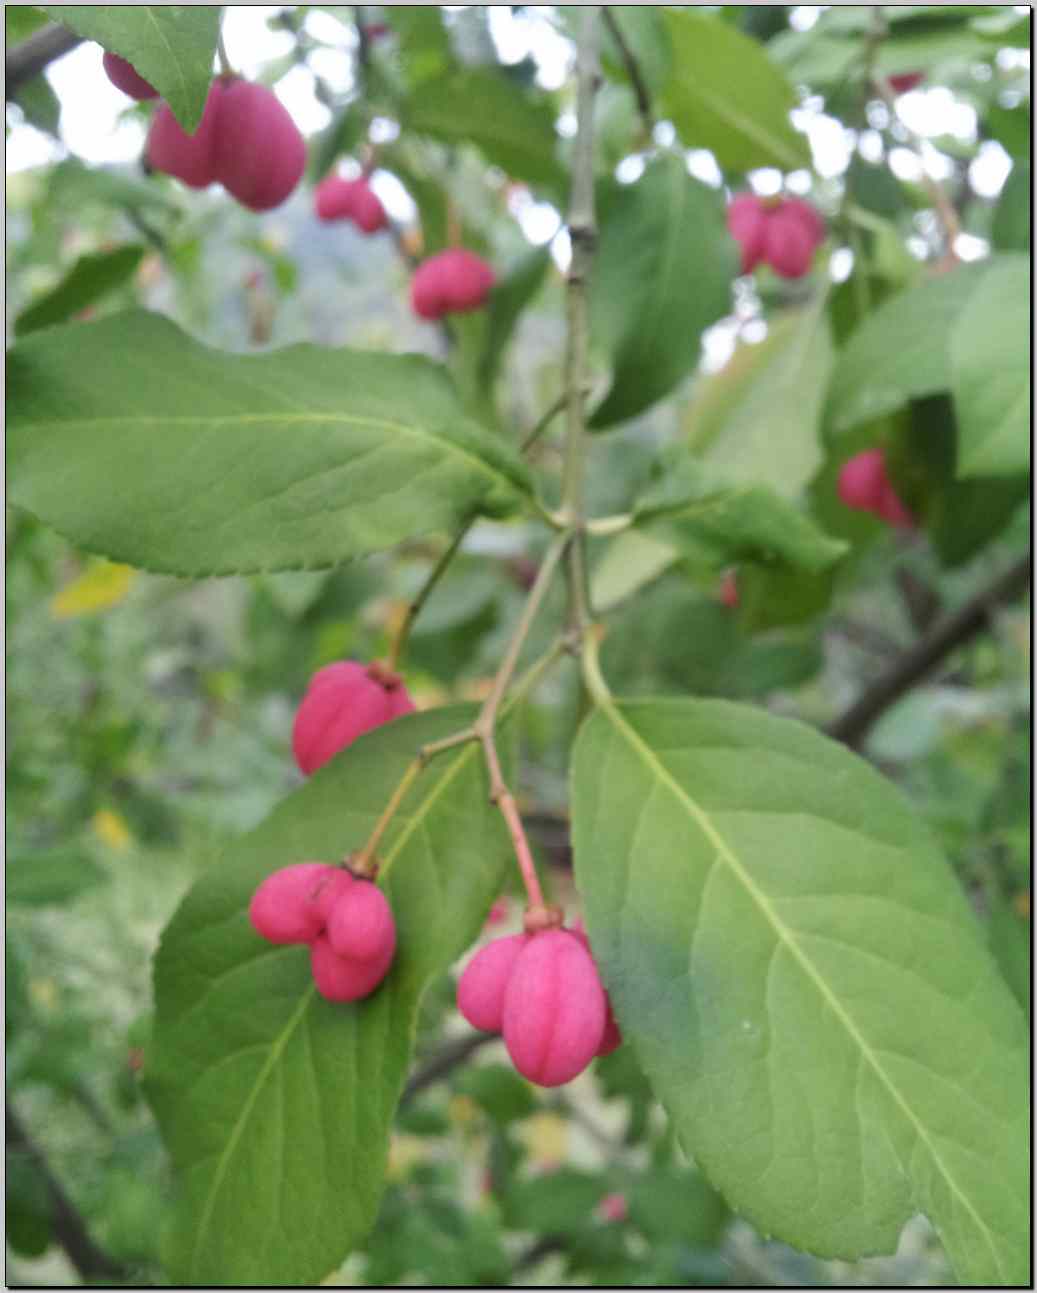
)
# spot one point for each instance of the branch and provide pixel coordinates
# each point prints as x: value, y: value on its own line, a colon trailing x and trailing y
x: 633, y: 71
x: 953, y: 632
x: 91, y: 1263
x: 31, y: 56
x: 443, y: 1063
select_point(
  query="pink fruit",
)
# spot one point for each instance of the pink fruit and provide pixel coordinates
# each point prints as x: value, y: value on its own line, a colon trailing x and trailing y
x: 453, y: 282
x: 286, y: 908
x: 340, y: 978
x: 481, y: 989
x: 891, y: 510
x: 368, y: 212
x: 905, y: 81
x: 343, y: 701
x: 554, y: 1008
x: 258, y: 152
x: 862, y: 479
x: 189, y: 158
x: 125, y: 77
x: 746, y: 222
x: 729, y: 589
x: 498, y: 913
x: 340, y: 199
x: 360, y: 924
x: 790, y: 240
x: 613, y: 1207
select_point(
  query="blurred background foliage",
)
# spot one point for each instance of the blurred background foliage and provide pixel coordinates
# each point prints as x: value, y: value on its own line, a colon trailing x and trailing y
x: 148, y: 719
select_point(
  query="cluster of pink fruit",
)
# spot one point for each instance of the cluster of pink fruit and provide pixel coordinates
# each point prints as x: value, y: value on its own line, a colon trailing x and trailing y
x: 781, y: 232
x: 865, y: 486
x: 542, y: 991
x: 452, y: 282
x: 246, y: 140
x: 540, y: 988
x: 345, y: 920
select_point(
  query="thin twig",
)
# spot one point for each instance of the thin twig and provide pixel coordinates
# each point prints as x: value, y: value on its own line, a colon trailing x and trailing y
x: 443, y: 1063
x: 90, y: 1261
x: 633, y: 71
x: 953, y: 632
x: 545, y: 421
x: 399, y: 642
x: 30, y: 56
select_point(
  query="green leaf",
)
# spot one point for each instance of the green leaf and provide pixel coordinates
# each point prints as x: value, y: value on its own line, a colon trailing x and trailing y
x: 647, y: 38
x: 1011, y: 226
x: 901, y: 351
x: 990, y: 372
x: 265, y: 1091
x: 40, y: 105
x: 72, y: 184
x: 631, y: 561
x: 499, y: 1090
x: 662, y: 276
x: 93, y: 276
x: 136, y: 442
x: 555, y: 1203
x: 514, y: 129
x: 21, y: 20
x: 678, y: 1204
x: 172, y: 46
x: 54, y: 876
x: 696, y: 510
x: 803, y: 983
x: 508, y: 299
x: 725, y: 94
x: 758, y: 419
x: 423, y: 42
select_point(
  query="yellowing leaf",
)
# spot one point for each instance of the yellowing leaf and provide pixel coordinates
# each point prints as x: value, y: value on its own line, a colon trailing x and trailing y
x: 104, y: 585
x: 111, y: 829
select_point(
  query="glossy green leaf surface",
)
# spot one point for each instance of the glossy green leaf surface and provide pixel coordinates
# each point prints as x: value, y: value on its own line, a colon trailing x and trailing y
x: 990, y: 372
x: 695, y: 508
x: 93, y: 276
x: 725, y: 94
x: 759, y: 418
x: 172, y: 46
x: 264, y: 1090
x: 663, y: 275
x: 803, y: 983
x: 198, y: 462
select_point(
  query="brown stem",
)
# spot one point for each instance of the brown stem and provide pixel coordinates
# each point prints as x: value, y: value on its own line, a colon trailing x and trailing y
x: 91, y: 1262
x: 443, y: 1063
x: 954, y: 631
x: 31, y: 56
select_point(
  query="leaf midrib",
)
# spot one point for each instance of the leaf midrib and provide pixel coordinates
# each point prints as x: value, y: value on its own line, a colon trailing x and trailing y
x: 282, y: 1040
x: 626, y: 730
x: 245, y: 419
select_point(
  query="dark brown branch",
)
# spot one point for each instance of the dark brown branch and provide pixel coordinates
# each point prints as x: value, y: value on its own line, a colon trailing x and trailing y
x: 443, y: 1063
x: 954, y: 631
x: 31, y: 56
x: 633, y: 71
x: 91, y: 1262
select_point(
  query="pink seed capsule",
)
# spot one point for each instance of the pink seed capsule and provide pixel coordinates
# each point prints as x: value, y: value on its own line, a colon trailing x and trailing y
x: 729, y: 595
x: 862, y: 479
x: 481, y: 988
x: 333, y: 198
x: 340, y: 978
x: 746, y: 222
x: 343, y: 701
x: 452, y: 282
x: 125, y: 77
x: 286, y: 907
x: 259, y: 153
x: 613, y: 1207
x: 190, y: 158
x: 368, y: 212
x: 905, y: 81
x: 611, y: 1038
x: 554, y: 1008
x: 891, y: 510
x: 361, y: 925
x: 788, y: 242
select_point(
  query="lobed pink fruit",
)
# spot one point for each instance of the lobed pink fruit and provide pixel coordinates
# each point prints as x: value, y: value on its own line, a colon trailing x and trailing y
x: 611, y: 1038
x: 125, y: 77
x: 258, y: 151
x: 891, y: 510
x: 340, y: 978
x: 340, y: 199
x: 481, y: 988
x: 190, y: 158
x: 343, y: 701
x: 452, y: 282
x: 360, y: 924
x: 747, y: 223
x: 729, y: 589
x: 554, y: 1008
x: 783, y: 233
x: 286, y: 906
x: 905, y: 81
x: 613, y: 1207
x: 861, y: 479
